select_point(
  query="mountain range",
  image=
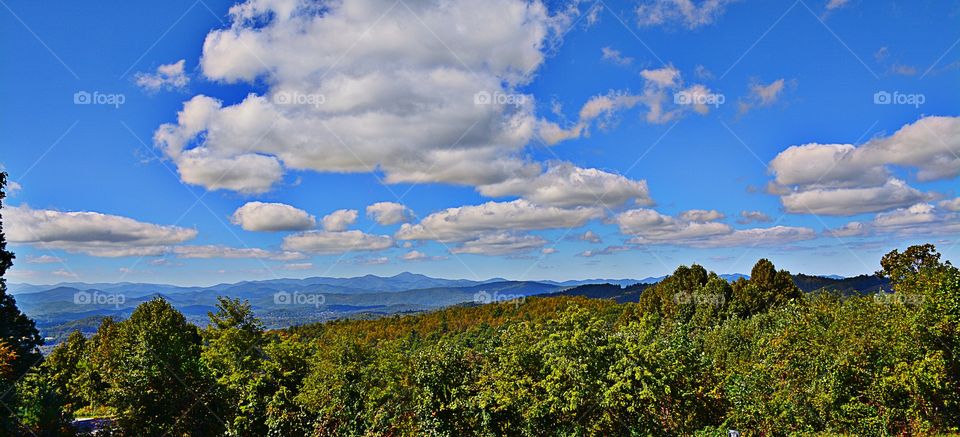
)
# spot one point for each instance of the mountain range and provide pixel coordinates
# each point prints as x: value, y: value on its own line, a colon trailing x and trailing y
x: 286, y: 302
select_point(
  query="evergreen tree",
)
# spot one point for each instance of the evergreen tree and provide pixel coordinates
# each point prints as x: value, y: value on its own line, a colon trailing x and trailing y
x: 19, y: 338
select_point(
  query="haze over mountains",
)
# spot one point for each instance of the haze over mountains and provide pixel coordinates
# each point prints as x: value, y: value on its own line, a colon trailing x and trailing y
x: 286, y: 302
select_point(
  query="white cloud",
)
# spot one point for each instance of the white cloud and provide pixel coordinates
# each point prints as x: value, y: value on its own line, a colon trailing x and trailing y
x: 951, y: 204
x: 614, y: 55
x: 259, y: 216
x: 650, y: 227
x: 63, y: 273
x: 389, y: 91
x: 609, y: 250
x: 921, y: 213
x: 371, y: 261
x: 167, y: 76
x: 836, y: 4
x: 688, y: 13
x: 773, y: 236
x: 603, y: 107
x: 500, y: 244
x: 469, y: 222
x: 325, y: 242
x: 416, y: 255
x: 844, y: 179
x: 44, y: 259
x: 588, y: 236
x: 762, y: 95
x: 747, y: 217
x: 389, y: 213
x: 298, y: 266
x: 915, y: 220
x: 852, y: 229
x: 548, y: 250
x: 13, y: 188
x: 701, y: 215
x: 225, y: 252
x: 339, y: 220
x: 91, y: 233
x: 664, y: 96
x: 852, y: 201
x: 566, y: 185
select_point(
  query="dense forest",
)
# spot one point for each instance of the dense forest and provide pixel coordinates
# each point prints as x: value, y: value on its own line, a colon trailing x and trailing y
x: 694, y: 355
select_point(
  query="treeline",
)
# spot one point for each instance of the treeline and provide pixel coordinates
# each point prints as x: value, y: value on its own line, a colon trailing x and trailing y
x: 696, y: 356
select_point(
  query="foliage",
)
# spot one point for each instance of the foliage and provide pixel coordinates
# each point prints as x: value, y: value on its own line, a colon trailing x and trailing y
x: 695, y: 356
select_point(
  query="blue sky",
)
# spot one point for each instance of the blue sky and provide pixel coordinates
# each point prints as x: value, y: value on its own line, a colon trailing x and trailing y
x: 623, y: 138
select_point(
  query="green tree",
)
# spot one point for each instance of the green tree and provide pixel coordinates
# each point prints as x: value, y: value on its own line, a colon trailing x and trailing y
x: 40, y: 408
x: 767, y: 288
x: 157, y: 381
x: 64, y: 368
x: 232, y: 351
x: 18, y: 333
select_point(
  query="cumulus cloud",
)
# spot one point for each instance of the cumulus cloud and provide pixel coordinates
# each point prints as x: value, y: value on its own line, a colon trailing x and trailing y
x: 651, y: 227
x: 688, y: 13
x: 339, y: 220
x: 773, y: 236
x: 225, y: 252
x: 917, y: 219
x: 666, y: 97
x: 951, y: 204
x: 588, y: 236
x: 91, y: 233
x: 167, y: 76
x: 13, y: 188
x: 394, y: 92
x: 469, y: 222
x: 747, y: 217
x: 921, y: 213
x: 566, y: 185
x: 325, y: 242
x: 852, y: 229
x: 503, y: 243
x: 701, y: 215
x: 852, y: 201
x: 389, y: 213
x: 259, y: 216
x: 843, y: 179
x: 416, y: 255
